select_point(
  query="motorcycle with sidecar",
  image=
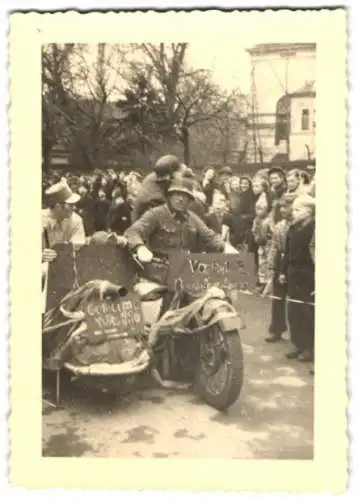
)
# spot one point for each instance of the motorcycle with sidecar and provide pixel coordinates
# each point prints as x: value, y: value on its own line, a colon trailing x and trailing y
x: 113, y: 319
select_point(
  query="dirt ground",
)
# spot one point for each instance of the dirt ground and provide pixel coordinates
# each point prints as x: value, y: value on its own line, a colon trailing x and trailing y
x: 273, y: 418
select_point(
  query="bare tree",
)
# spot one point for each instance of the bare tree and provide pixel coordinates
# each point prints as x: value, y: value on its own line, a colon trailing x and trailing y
x: 188, y: 96
x: 105, y: 101
x: 83, y: 96
x: 55, y: 76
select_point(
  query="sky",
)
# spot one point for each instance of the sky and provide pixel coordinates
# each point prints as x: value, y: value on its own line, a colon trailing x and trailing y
x: 228, y: 72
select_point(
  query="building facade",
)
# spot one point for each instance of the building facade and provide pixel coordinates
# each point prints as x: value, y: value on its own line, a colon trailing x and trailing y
x: 274, y: 123
x: 302, y: 137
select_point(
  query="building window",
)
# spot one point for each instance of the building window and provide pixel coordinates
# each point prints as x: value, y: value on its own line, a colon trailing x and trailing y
x: 305, y: 119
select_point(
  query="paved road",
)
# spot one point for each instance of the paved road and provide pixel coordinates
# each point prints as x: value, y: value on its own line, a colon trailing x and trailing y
x: 272, y: 419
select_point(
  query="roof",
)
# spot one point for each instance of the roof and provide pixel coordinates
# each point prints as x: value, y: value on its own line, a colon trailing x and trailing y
x: 308, y: 90
x: 279, y: 48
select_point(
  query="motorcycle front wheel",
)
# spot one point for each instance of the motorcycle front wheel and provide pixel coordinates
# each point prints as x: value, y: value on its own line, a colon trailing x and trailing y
x: 220, y: 371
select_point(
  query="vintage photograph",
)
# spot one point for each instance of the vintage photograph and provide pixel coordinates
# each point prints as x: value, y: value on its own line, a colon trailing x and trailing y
x: 178, y: 229
x: 183, y: 294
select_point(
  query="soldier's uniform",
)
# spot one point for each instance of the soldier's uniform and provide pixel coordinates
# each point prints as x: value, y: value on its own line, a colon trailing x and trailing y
x: 160, y: 228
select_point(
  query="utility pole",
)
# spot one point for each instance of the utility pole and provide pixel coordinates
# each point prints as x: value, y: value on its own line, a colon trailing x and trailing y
x: 288, y: 117
x: 253, y: 106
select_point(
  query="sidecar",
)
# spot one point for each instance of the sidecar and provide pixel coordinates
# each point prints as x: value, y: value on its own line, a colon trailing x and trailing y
x: 93, y: 323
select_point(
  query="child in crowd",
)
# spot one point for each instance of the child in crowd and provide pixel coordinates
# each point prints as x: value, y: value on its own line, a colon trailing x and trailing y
x: 218, y: 219
x: 278, y: 323
x: 298, y: 271
x: 260, y: 188
x: 262, y: 232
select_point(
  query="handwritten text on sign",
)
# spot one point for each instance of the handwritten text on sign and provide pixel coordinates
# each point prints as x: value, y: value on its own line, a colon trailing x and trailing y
x: 122, y: 316
x: 200, y: 271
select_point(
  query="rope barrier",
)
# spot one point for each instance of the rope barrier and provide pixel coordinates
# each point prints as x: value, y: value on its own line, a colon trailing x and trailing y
x: 275, y: 297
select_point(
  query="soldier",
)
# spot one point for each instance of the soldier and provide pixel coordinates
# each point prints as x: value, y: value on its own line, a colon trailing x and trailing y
x: 173, y: 225
x: 154, y: 187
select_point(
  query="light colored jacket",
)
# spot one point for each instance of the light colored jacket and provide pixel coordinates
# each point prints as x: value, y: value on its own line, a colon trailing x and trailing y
x: 70, y: 230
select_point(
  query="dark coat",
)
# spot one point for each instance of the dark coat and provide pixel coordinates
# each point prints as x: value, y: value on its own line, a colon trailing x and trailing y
x: 101, y: 208
x: 85, y: 208
x: 297, y: 263
x: 243, y: 217
x: 119, y: 217
x: 150, y: 195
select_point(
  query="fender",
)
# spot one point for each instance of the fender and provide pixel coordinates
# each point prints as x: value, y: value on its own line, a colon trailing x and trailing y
x: 221, y: 312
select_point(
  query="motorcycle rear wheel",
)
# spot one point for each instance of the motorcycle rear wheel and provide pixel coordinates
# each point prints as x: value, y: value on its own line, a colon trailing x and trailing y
x: 220, y: 350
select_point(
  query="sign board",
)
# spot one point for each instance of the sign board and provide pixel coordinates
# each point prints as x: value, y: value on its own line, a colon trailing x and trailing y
x: 120, y: 317
x: 198, y: 272
x: 61, y: 275
x: 105, y: 262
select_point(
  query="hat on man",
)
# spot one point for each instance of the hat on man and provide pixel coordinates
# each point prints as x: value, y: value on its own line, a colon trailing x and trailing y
x: 182, y: 185
x: 225, y: 171
x: 61, y: 193
x: 166, y: 166
x: 276, y: 170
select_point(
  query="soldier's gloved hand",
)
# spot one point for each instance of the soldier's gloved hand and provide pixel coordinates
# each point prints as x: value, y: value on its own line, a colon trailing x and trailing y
x: 144, y: 254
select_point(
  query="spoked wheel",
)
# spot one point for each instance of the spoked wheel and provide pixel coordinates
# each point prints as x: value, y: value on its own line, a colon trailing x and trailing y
x: 220, y: 371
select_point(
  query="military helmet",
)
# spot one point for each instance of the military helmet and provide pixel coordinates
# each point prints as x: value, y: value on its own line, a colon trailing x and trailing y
x: 182, y: 185
x: 166, y: 166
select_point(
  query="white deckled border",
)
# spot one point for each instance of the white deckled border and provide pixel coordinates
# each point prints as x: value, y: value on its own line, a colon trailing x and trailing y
x: 327, y: 472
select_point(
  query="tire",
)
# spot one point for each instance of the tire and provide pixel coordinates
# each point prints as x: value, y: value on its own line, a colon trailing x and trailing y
x: 235, y: 372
